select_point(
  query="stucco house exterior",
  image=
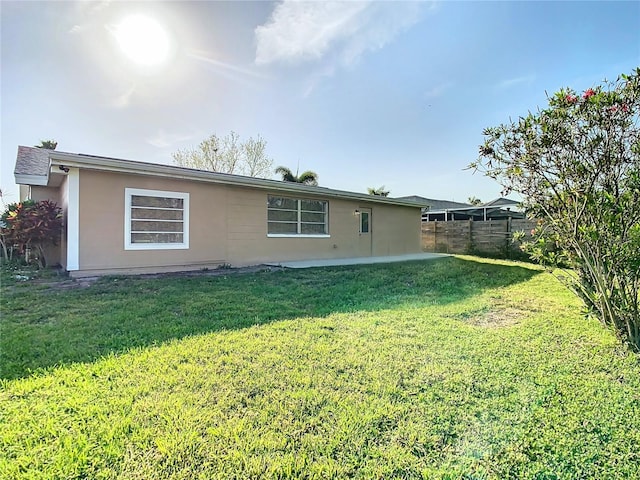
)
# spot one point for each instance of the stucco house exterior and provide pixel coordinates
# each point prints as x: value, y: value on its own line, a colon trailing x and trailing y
x: 124, y: 216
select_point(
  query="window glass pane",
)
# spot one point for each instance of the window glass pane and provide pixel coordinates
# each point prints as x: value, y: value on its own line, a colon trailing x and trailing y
x: 282, y: 203
x: 157, y: 219
x: 290, y: 228
x: 152, y: 214
x: 364, y: 222
x: 158, y: 202
x: 292, y: 216
x: 156, y: 238
x: 283, y: 215
x: 312, y: 217
x: 312, y: 228
x: 138, y: 226
x: 313, y: 205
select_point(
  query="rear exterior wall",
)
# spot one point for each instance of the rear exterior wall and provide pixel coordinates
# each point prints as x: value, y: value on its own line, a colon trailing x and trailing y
x: 227, y: 225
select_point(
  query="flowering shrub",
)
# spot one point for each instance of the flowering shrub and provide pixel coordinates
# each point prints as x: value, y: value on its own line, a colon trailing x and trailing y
x: 28, y: 226
x: 577, y: 165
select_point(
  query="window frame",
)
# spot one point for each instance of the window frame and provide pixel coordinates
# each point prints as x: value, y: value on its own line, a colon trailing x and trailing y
x: 129, y: 245
x: 362, y: 215
x: 299, y: 211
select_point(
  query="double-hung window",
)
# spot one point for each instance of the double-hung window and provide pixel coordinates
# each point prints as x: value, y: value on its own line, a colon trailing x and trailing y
x: 156, y: 220
x: 299, y: 217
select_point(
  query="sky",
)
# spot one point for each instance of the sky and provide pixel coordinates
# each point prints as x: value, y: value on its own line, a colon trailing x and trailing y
x: 363, y: 93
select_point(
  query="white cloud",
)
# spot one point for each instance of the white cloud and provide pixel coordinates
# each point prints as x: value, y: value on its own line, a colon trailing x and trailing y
x: 162, y: 139
x: 87, y: 13
x: 511, y: 82
x: 227, y: 70
x: 306, y: 31
x: 123, y: 99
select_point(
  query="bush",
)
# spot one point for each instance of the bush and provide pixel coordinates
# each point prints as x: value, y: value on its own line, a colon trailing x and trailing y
x: 577, y: 165
x: 30, y: 226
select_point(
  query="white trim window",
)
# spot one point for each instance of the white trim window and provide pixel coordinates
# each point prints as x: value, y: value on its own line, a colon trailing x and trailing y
x: 155, y: 220
x: 287, y: 217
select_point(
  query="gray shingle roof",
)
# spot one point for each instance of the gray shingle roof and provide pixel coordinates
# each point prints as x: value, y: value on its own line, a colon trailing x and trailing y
x: 32, y: 167
x: 500, y: 202
x: 436, y: 204
x: 32, y: 161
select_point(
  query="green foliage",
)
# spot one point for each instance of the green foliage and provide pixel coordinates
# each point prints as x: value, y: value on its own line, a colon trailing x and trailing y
x: 577, y: 165
x: 30, y: 225
x: 306, y: 178
x: 48, y: 144
x: 456, y: 368
x: 228, y: 154
x: 380, y: 191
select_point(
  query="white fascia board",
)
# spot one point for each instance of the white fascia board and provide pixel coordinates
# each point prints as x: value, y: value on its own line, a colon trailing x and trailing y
x: 73, y: 219
x: 38, y: 180
x: 180, y: 173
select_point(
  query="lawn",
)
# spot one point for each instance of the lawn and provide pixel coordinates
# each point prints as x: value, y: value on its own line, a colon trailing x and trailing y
x: 457, y: 368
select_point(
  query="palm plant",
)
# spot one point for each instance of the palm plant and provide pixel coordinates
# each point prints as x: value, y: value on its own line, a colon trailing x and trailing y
x: 306, y: 178
x: 380, y: 191
x: 48, y: 144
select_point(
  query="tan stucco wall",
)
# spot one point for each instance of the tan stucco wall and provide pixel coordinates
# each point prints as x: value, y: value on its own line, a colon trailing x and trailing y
x: 46, y: 193
x: 228, y: 224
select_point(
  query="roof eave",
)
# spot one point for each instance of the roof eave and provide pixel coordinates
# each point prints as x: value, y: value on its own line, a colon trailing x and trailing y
x: 142, y: 168
x: 36, y: 180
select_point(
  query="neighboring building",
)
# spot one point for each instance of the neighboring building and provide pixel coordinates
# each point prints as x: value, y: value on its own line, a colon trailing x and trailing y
x: 445, y: 210
x: 125, y: 216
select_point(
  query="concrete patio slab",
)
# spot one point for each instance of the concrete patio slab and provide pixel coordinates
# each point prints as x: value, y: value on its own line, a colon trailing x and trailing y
x: 333, y: 262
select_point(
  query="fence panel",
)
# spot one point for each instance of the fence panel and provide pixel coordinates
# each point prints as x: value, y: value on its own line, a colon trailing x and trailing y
x: 491, y: 237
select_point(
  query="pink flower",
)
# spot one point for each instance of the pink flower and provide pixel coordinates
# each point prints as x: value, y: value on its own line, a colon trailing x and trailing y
x: 625, y: 108
x: 572, y: 99
x: 588, y: 93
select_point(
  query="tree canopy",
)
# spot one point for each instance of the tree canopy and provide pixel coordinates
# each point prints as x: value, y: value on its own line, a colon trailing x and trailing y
x: 47, y: 144
x: 576, y: 164
x: 306, y: 178
x: 380, y: 191
x: 228, y: 154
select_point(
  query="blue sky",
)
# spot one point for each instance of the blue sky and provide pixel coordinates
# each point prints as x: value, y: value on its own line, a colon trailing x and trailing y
x: 363, y: 93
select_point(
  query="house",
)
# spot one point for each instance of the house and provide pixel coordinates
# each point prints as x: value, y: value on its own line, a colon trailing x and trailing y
x: 445, y: 210
x: 126, y: 216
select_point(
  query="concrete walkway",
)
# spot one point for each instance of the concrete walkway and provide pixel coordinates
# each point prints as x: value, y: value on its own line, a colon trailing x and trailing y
x: 332, y: 262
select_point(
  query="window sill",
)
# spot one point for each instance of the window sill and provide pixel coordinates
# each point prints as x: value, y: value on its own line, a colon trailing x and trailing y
x: 156, y: 246
x: 295, y: 235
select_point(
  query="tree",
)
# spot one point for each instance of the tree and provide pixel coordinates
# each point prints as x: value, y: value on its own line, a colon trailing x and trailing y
x: 47, y: 144
x: 307, y: 178
x: 577, y: 165
x: 256, y: 161
x: 380, y: 191
x: 475, y: 201
x: 30, y: 225
x: 228, y: 155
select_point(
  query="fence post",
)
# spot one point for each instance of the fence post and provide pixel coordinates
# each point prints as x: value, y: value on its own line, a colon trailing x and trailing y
x: 509, y: 243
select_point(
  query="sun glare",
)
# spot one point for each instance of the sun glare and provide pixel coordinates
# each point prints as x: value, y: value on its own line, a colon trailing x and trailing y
x: 143, y: 40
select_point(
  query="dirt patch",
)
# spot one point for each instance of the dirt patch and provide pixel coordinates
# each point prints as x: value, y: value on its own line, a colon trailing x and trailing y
x: 497, y: 318
x: 67, y: 283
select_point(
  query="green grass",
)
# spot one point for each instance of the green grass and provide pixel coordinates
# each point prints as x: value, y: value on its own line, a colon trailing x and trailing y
x: 453, y: 368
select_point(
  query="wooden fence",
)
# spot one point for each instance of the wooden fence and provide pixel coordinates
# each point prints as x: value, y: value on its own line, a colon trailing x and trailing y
x: 491, y: 237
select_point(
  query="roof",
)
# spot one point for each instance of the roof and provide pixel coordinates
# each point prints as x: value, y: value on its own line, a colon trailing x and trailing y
x: 34, y: 167
x: 434, y: 204
x: 32, y: 161
x: 500, y: 202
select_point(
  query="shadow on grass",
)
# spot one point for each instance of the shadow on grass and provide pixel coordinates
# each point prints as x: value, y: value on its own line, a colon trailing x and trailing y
x: 43, y: 327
